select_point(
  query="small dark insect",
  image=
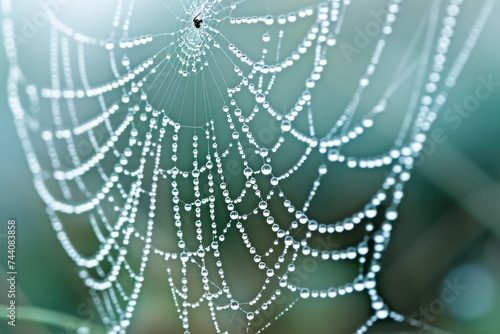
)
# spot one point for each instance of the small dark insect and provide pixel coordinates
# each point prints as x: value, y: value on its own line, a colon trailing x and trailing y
x: 197, y: 22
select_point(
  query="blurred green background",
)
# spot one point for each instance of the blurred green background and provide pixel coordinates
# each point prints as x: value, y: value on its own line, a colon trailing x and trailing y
x: 449, y: 223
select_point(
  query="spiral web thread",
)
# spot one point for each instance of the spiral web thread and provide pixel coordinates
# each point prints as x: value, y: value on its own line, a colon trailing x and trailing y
x: 116, y: 188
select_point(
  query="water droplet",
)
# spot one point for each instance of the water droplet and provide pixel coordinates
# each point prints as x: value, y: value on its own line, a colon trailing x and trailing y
x: 109, y: 45
x: 266, y: 169
x: 196, y: 173
x: 391, y: 213
x: 322, y: 169
x: 370, y: 211
x: 86, y: 330
x: 363, y: 248
x: 313, y: 225
x: 274, y: 181
x: 382, y: 313
x: 125, y: 61
x: 260, y: 98
x: 248, y: 171
x: 304, y: 293
x: 286, y: 126
x: 235, y: 305
x: 331, y: 41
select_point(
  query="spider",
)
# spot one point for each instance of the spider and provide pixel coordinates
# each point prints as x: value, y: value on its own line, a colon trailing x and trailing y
x: 197, y: 22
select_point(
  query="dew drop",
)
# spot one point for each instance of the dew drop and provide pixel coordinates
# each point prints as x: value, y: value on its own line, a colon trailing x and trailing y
x: 196, y: 173
x: 370, y: 211
x: 313, y: 225
x: 363, y: 248
x: 234, y: 305
x: 125, y: 61
x: 260, y: 98
x: 266, y: 169
x: 248, y: 171
x: 382, y: 313
x: 109, y: 45
x: 184, y: 257
x: 286, y: 126
x: 322, y: 169
x: 391, y: 213
x: 86, y: 330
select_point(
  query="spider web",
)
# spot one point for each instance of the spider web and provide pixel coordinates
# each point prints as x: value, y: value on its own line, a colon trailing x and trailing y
x: 135, y: 131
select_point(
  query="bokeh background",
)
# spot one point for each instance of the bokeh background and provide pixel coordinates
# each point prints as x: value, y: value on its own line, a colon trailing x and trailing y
x: 448, y: 228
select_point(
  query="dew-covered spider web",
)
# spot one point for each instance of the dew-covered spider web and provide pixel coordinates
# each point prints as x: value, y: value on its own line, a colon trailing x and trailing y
x: 189, y: 130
